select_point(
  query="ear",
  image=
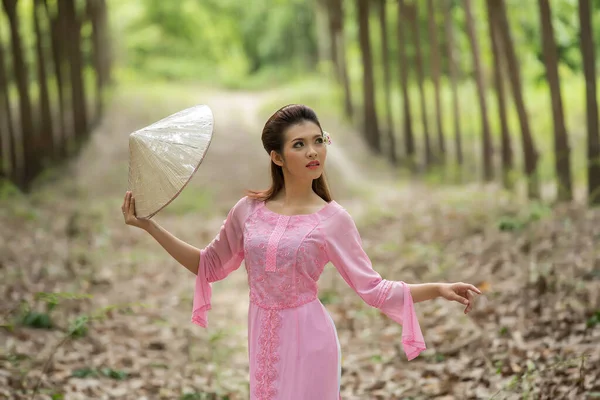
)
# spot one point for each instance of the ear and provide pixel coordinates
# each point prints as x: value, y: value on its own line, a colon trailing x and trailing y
x: 276, y: 158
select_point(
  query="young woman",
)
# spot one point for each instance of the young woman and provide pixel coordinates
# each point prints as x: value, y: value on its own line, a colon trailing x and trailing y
x: 286, y: 235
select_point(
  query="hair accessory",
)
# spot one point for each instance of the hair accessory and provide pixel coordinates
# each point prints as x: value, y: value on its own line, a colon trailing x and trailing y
x: 327, y: 137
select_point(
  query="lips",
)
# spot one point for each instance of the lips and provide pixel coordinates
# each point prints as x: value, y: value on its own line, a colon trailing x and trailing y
x: 313, y: 164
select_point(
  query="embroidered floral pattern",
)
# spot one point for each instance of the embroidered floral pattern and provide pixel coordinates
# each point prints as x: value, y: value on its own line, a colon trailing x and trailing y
x: 268, y: 356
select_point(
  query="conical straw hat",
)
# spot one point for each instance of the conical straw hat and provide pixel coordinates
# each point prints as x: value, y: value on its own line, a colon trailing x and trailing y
x: 164, y: 156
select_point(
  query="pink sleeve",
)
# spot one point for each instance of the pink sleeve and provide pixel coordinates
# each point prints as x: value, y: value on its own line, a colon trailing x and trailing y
x: 217, y: 260
x: 344, y: 249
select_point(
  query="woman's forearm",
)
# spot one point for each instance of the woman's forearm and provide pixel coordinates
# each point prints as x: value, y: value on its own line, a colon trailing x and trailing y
x: 186, y: 254
x: 424, y: 291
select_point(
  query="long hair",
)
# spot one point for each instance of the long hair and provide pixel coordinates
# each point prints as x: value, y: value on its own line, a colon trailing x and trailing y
x: 273, y: 138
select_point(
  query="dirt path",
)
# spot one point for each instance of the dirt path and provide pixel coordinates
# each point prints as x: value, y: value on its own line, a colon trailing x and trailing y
x: 72, y: 239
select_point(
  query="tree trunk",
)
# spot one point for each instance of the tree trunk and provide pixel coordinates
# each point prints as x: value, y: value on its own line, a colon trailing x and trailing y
x: 529, y: 150
x: 409, y: 140
x: 371, y: 129
x: 46, y: 131
x: 387, y: 80
x: 93, y: 17
x: 7, y: 120
x: 332, y: 33
x: 57, y: 57
x: 499, y: 64
x: 561, y: 143
x: 103, y: 33
x: 76, y: 69
x: 336, y: 16
x: 435, y: 74
x: 30, y: 166
x: 593, y: 138
x: 488, y: 171
x: 412, y: 13
x: 453, y: 78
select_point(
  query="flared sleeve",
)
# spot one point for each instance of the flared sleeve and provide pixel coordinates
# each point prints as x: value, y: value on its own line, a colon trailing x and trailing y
x: 220, y: 258
x: 344, y: 250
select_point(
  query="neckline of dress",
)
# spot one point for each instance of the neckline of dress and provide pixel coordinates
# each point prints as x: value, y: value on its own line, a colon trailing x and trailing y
x: 320, y: 211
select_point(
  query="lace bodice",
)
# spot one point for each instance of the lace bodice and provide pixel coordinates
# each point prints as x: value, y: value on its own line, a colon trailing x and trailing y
x: 284, y: 257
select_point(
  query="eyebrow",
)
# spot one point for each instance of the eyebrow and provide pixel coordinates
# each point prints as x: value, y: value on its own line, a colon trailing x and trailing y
x: 314, y: 137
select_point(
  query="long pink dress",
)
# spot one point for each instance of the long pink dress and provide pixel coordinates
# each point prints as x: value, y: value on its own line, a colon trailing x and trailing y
x: 293, y: 345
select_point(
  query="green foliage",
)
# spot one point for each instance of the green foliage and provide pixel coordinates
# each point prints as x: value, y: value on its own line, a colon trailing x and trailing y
x: 593, y: 320
x: 214, y: 41
x: 37, y: 320
x: 96, y: 373
x: 8, y: 190
x: 533, y: 212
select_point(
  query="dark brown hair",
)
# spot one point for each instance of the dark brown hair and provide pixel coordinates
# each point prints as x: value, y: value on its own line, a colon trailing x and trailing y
x: 273, y: 138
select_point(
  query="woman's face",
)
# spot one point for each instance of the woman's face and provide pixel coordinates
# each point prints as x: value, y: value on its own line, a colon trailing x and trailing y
x: 304, y: 151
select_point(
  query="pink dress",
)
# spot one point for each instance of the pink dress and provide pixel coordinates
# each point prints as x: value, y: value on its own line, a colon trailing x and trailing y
x: 293, y: 345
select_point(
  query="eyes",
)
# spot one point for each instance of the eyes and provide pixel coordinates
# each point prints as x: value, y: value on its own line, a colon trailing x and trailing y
x: 299, y: 144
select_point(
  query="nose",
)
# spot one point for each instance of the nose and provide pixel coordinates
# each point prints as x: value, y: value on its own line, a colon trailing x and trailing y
x: 312, y: 153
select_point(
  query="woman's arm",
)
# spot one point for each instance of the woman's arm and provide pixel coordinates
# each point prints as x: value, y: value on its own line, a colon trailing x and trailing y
x: 460, y: 292
x: 186, y: 254
x: 424, y: 291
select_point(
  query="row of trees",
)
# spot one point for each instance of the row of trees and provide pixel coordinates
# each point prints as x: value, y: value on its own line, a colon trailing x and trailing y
x: 506, y: 68
x: 46, y: 107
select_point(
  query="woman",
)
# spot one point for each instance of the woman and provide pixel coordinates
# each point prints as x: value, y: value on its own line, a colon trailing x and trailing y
x: 286, y: 235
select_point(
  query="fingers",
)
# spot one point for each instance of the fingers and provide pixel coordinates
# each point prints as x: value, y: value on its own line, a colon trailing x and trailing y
x: 466, y: 287
x: 460, y: 299
x: 470, y: 305
x: 132, y: 206
x: 473, y: 288
x: 129, y: 210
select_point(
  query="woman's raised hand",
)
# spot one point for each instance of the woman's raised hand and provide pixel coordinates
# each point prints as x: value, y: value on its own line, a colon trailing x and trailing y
x: 460, y: 292
x: 128, y: 209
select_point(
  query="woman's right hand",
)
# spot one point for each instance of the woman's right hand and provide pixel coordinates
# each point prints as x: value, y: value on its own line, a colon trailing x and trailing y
x: 128, y: 209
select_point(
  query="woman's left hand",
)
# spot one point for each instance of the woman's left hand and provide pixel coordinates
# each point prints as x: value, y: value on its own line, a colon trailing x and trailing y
x: 461, y: 292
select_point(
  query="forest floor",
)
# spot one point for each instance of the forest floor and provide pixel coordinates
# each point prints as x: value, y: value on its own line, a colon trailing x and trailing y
x: 94, y: 309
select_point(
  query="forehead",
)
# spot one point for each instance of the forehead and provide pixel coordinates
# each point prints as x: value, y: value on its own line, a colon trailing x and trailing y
x: 304, y: 130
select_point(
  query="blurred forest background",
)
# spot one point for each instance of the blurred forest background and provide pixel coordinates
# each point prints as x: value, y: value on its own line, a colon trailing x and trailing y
x: 482, y: 112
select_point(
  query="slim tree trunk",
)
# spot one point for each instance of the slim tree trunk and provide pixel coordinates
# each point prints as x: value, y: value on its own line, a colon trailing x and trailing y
x: 46, y: 131
x: 409, y: 140
x: 413, y: 13
x: 20, y: 70
x: 593, y: 138
x: 453, y: 78
x: 499, y: 64
x: 6, y: 118
x: 529, y: 150
x: 371, y: 129
x: 57, y: 57
x: 387, y: 80
x: 76, y: 69
x: 336, y: 20
x: 561, y: 143
x: 486, y: 153
x: 92, y: 16
x: 435, y: 74
x: 105, y: 54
